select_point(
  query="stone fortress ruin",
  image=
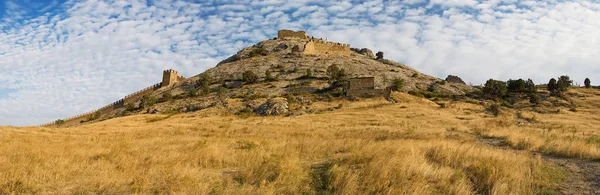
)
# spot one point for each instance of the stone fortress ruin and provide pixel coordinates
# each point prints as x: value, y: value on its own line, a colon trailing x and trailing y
x: 314, y: 45
x: 364, y: 87
x: 170, y: 77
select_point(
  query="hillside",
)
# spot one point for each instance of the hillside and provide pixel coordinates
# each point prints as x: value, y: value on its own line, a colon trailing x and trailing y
x: 371, y: 146
x: 295, y: 73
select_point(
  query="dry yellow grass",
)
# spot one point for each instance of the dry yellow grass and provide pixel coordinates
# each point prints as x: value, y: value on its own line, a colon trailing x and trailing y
x: 367, y: 147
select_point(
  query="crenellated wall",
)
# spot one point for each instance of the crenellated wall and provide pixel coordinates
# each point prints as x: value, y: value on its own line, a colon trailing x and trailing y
x: 170, y: 77
x: 316, y: 46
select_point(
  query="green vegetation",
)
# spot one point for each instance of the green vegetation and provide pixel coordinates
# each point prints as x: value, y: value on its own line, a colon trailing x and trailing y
x: 379, y: 55
x: 337, y: 76
x: 204, y: 82
x: 587, y: 83
x: 552, y: 85
x: 269, y: 76
x: 147, y: 101
x: 59, y: 122
x: 397, y: 84
x: 95, y: 116
x: 563, y: 83
x: 495, y: 88
x: 249, y: 77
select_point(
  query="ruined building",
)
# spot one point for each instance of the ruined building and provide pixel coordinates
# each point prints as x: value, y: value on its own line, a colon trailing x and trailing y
x: 314, y: 45
x: 364, y: 87
x: 171, y: 77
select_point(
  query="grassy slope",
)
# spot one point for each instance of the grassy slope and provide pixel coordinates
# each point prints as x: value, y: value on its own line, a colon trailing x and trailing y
x: 372, y: 146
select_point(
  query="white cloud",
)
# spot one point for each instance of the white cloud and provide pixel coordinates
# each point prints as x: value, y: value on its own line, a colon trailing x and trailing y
x: 96, y: 51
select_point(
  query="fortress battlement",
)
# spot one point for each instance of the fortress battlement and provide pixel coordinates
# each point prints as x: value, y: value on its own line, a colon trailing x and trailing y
x: 170, y: 77
x: 315, y: 45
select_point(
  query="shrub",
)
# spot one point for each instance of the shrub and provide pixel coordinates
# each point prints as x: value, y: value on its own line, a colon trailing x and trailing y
x: 516, y: 86
x: 379, y: 55
x: 268, y: 76
x: 415, y: 75
x: 59, y: 122
x: 552, y: 85
x: 587, y: 83
x: 295, y: 70
x: 397, y: 84
x: 130, y: 106
x: 563, y: 83
x: 495, y: 88
x: 249, y: 77
x: 204, y: 82
x: 167, y: 96
x: 147, y: 101
x: 530, y: 86
x: 533, y: 98
x: 309, y: 73
x: 495, y: 109
x: 193, y: 92
x: 222, y: 92
x: 337, y: 76
x: 95, y: 116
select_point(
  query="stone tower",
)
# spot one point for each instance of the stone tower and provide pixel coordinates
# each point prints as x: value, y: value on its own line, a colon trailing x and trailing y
x: 170, y: 77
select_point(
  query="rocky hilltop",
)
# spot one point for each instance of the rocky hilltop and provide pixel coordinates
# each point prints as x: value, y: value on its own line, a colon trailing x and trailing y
x: 289, y: 69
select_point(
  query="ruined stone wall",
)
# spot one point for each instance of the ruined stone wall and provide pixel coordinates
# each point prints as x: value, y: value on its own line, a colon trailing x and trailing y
x: 364, y: 87
x: 74, y: 120
x: 361, y: 83
x: 316, y: 46
x: 282, y: 34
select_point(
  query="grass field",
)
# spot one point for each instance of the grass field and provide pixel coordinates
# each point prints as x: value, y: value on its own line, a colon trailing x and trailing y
x: 366, y: 147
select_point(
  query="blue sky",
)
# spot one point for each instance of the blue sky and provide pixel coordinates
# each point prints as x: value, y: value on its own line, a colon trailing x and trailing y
x: 65, y: 57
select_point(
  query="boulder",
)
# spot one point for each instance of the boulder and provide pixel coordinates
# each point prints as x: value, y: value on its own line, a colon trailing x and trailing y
x: 272, y: 107
x: 454, y: 79
x: 364, y: 51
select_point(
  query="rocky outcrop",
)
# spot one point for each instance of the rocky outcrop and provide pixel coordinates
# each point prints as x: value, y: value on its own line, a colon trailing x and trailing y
x: 364, y: 51
x: 272, y: 107
x: 454, y: 79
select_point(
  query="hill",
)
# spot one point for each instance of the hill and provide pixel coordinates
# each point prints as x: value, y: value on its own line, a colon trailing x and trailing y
x: 298, y: 65
x: 371, y: 146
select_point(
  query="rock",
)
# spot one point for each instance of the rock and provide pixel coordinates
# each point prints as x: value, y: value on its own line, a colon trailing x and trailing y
x: 364, y: 51
x: 296, y: 50
x: 454, y: 79
x: 253, y: 104
x: 280, y: 47
x: 272, y: 107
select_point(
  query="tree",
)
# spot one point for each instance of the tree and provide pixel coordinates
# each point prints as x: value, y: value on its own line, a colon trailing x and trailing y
x: 495, y: 88
x: 563, y: 83
x: 249, y: 77
x: 147, y: 101
x: 193, y: 92
x: 379, y: 55
x: 552, y: 85
x: 587, y: 83
x: 533, y: 98
x: 397, y: 84
x: 204, y: 82
x: 337, y: 75
x: 516, y: 86
x: 530, y: 86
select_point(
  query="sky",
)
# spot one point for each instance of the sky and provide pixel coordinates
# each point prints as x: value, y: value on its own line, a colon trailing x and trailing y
x: 60, y: 58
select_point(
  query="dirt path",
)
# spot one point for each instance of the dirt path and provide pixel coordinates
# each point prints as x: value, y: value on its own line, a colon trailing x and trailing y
x: 583, y: 175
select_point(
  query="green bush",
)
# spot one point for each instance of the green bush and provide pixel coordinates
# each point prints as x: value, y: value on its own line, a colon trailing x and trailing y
x: 397, y: 84
x: 193, y: 92
x: 204, y: 83
x: 337, y: 75
x: 167, y: 96
x: 563, y: 83
x: 494, y: 88
x: 534, y: 99
x: 147, y: 101
x: 495, y: 109
x: 130, y: 106
x: 95, y: 116
x: 552, y: 86
x: 249, y: 77
x: 516, y: 86
x: 309, y: 73
x: 268, y: 76
x: 587, y: 83
x: 59, y: 122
